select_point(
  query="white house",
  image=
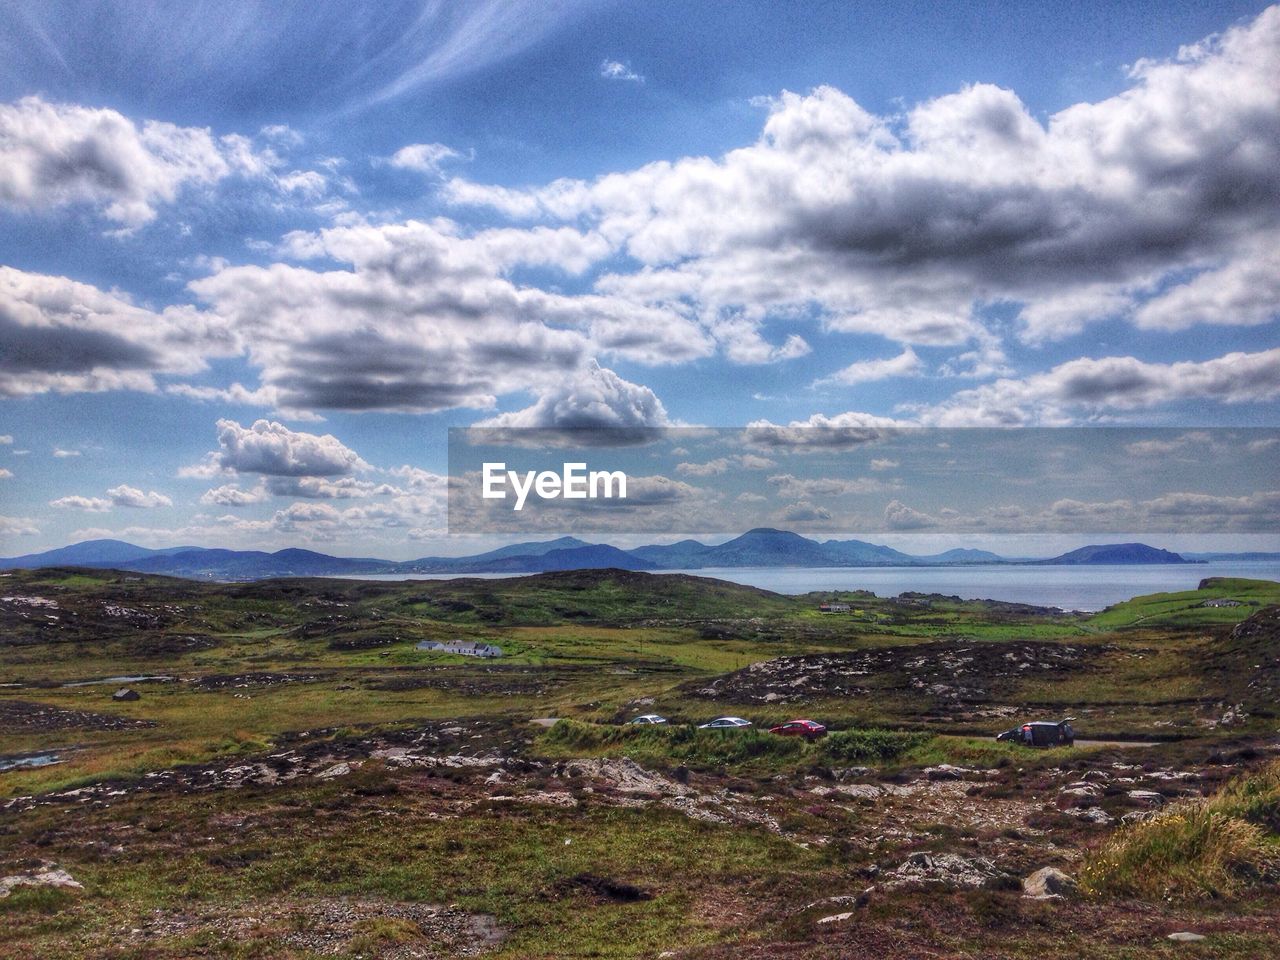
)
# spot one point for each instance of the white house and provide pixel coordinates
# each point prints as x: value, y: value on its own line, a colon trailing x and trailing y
x: 467, y: 648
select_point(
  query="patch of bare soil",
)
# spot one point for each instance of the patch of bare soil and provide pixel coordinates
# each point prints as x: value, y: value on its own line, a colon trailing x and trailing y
x: 28, y: 716
x: 948, y: 670
x: 239, y: 681
x: 332, y: 926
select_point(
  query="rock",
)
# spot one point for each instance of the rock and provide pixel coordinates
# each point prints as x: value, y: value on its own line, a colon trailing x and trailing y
x: 948, y: 870
x: 1145, y: 798
x: 1094, y: 815
x: 1078, y: 795
x: 1049, y: 883
x: 337, y: 770
x: 125, y: 694
x: 836, y: 917
x: 48, y: 876
x: 946, y: 771
x: 1185, y: 936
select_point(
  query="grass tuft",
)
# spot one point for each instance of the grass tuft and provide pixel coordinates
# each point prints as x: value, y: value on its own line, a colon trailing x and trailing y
x: 1217, y: 847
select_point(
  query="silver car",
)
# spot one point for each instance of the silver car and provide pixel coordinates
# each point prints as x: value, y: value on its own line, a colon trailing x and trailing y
x: 648, y: 718
x: 725, y: 723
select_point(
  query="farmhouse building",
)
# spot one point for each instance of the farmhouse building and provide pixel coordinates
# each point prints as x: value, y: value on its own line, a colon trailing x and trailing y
x: 467, y: 648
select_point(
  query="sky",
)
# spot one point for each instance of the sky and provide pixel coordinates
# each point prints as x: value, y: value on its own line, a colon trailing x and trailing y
x: 257, y: 259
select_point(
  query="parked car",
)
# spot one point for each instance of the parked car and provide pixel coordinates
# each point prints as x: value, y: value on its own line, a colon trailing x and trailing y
x: 648, y: 718
x: 1042, y: 733
x: 725, y: 723
x: 809, y: 729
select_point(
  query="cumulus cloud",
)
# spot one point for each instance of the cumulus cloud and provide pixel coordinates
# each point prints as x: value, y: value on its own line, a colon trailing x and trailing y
x: 908, y: 227
x: 1241, y: 292
x: 120, y: 496
x: 843, y: 431
x: 232, y: 495
x: 423, y: 157
x: 427, y: 319
x: 86, y: 504
x: 63, y: 336
x: 126, y: 496
x: 793, y: 487
x: 1109, y: 384
x: 53, y: 154
x: 898, y: 516
x: 905, y: 364
x: 270, y: 448
x: 595, y: 399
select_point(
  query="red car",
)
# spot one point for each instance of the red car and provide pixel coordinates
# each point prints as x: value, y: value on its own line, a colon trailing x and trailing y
x: 808, y: 729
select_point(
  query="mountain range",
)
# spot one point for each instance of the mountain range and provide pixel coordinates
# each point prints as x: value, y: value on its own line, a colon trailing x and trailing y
x: 762, y: 547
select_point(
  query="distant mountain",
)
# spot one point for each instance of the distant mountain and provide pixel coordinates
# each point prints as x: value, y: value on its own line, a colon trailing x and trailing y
x: 534, y: 549
x: 964, y: 555
x: 1113, y: 553
x: 596, y: 556
x: 762, y: 547
x: 1249, y: 555
x: 90, y: 553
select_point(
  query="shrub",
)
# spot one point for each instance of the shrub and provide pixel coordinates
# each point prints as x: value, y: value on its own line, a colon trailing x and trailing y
x: 1215, y: 847
x: 870, y: 746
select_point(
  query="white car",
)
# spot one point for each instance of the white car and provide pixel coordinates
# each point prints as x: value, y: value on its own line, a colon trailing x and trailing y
x: 648, y: 718
x: 725, y: 723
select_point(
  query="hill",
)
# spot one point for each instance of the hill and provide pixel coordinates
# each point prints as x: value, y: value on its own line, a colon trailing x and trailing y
x: 761, y: 547
x: 1114, y: 553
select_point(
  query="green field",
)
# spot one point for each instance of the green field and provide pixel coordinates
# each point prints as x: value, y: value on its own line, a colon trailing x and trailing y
x: 208, y: 815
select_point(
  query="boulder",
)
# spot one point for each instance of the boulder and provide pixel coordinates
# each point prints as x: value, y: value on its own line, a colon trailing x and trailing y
x: 946, y: 771
x: 1094, y: 815
x: 1079, y: 795
x: 1186, y: 936
x: 47, y: 876
x: 1049, y: 883
x: 1145, y: 798
x: 126, y: 694
x: 949, y: 870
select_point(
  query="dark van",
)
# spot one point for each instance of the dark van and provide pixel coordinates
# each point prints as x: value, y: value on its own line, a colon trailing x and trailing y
x: 1042, y: 733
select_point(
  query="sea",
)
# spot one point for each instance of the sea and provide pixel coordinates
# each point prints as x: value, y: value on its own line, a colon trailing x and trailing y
x: 1069, y: 587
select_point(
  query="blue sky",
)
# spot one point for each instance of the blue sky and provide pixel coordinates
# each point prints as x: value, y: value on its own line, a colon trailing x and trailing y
x: 258, y: 258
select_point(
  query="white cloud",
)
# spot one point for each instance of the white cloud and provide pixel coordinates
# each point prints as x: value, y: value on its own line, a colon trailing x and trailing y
x: 883, y: 463
x: 126, y: 496
x: 709, y: 469
x: 1106, y: 385
x: 5, y: 474
x: 120, y: 496
x: 615, y: 70
x: 596, y: 398
x: 908, y: 227
x: 792, y: 487
x: 232, y: 495
x: 844, y: 431
x: 53, y: 154
x: 18, y: 527
x: 61, y: 453
x: 67, y: 337
x: 1243, y: 292
x: 87, y: 504
x: 6, y: 440
x: 270, y: 448
x: 905, y: 364
x: 428, y: 320
x: 423, y: 157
